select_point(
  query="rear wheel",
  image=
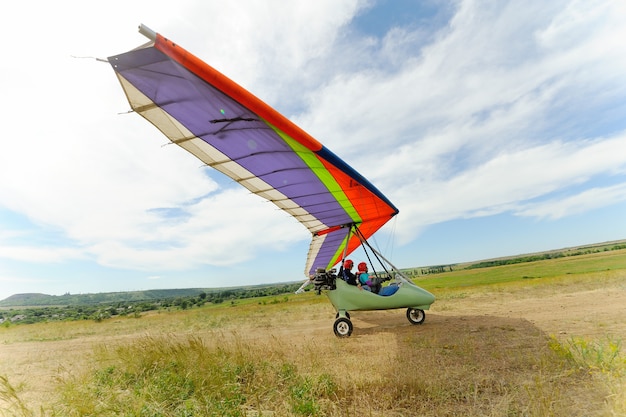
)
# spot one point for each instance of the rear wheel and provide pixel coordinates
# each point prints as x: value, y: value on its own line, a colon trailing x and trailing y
x: 415, y: 315
x: 342, y: 327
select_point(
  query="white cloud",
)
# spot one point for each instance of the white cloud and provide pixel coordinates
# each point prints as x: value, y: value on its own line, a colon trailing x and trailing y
x: 39, y: 254
x: 584, y: 201
x: 476, y: 124
x: 274, y: 48
x: 507, y: 182
x: 225, y: 229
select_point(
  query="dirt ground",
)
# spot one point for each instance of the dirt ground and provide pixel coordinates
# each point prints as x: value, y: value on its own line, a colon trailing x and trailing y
x: 590, y: 313
x: 34, y: 363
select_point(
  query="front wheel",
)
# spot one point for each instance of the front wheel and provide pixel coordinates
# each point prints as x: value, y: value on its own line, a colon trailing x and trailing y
x: 415, y: 315
x: 342, y: 327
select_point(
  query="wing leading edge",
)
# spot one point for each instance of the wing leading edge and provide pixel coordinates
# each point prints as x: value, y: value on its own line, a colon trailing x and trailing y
x: 231, y: 130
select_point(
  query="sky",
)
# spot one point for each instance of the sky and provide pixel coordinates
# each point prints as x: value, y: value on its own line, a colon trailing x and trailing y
x: 496, y: 128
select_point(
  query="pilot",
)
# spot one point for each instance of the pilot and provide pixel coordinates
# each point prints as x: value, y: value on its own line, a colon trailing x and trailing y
x: 345, y: 272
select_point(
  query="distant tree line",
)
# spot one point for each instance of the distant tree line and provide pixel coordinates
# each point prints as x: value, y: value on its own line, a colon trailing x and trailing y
x: 511, y: 261
x: 134, y: 308
x: 438, y: 269
x: 428, y: 270
x: 544, y: 256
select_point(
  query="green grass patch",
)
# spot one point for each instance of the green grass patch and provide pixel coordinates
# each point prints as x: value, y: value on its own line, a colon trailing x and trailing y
x: 603, y: 361
x: 539, y: 272
x: 170, y: 376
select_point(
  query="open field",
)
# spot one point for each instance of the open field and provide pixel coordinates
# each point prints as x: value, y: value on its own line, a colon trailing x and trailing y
x: 537, y: 339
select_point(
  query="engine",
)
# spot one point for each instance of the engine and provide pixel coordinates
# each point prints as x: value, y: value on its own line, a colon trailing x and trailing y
x: 324, y: 280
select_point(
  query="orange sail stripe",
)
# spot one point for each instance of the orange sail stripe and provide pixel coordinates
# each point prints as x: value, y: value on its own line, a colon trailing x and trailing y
x: 235, y: 91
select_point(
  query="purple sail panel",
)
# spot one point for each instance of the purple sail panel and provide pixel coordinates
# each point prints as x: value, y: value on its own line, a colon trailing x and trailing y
x: 327, y: 250
x: 230, y: 128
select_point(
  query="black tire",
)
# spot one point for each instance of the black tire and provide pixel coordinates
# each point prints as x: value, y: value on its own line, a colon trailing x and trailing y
x: 415, y: 315
x: 342, y: 327
x: 347, y: 315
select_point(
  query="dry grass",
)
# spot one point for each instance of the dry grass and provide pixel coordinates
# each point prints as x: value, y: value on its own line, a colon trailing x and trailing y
x: 476, y: 356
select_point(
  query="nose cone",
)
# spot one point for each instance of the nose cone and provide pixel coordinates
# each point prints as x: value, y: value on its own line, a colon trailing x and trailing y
x: 426, y: 297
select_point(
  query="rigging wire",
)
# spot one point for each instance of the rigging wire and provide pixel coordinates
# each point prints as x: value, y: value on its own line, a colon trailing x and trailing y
x: 389, y: 245
x: 365, y: 243
x: 392, y: 237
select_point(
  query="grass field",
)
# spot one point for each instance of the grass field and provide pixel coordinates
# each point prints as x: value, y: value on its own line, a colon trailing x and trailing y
x: 536, y: 339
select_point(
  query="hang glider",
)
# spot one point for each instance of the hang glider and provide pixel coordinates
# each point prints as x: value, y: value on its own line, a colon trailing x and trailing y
x: 234, y: 132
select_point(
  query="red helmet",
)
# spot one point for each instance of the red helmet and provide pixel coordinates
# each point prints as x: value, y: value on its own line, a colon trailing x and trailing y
x: 362, y: 267
x: 348, y: 264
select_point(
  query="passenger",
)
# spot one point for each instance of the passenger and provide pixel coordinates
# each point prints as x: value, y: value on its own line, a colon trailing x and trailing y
x: 345, y: 272
x: 367, y: 283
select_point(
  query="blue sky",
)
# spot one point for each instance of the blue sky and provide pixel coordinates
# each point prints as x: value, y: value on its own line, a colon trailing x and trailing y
x: 496, y: 128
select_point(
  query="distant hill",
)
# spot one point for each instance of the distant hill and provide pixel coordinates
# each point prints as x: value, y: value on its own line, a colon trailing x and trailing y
x: 27, y: 298
x: 36, y: 299
x: 40, y: 300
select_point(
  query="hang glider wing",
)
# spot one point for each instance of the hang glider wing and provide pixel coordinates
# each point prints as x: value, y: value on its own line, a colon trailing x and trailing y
x: 231, y: 130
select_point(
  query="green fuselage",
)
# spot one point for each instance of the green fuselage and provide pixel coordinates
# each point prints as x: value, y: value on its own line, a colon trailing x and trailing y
x: 350, y: 298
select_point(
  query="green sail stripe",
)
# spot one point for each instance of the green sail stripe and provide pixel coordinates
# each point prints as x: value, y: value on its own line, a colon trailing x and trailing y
x: 340, y: 250
x: 312, y: 161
